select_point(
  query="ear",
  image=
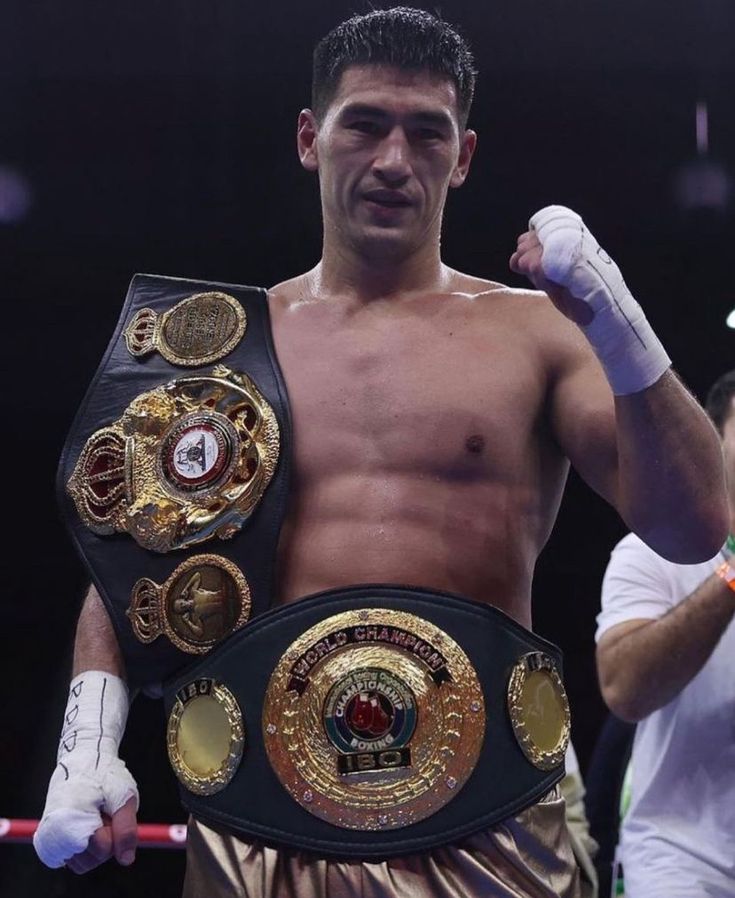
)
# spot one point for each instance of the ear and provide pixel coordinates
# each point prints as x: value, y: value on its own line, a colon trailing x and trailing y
x: 466, y: 149
x: 306, y: 135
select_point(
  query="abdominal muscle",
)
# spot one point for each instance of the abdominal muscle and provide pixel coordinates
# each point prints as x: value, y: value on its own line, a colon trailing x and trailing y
x: 401, y: 530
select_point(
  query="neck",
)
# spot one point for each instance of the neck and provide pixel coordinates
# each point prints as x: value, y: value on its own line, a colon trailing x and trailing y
x: 363, y: 276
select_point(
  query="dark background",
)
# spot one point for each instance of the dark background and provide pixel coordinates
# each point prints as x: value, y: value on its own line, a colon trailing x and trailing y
x: 159, y: 137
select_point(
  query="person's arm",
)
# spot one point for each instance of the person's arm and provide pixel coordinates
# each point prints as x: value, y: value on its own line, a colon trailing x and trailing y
x: 650, y: 450
x: 90, y: 813
x: 95, y: 645
x: 654, y: 455
x: 644, y: 664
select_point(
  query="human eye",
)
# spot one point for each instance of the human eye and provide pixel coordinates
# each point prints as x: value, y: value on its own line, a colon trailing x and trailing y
x: 429, y: 134
x: 363, y: 126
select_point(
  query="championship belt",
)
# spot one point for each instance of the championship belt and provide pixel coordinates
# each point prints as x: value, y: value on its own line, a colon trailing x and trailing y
x: 174, y: 476
x: 369, y: 722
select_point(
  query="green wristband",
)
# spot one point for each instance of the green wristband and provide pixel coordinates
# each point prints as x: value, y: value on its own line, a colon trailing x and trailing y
x: 728, y: 550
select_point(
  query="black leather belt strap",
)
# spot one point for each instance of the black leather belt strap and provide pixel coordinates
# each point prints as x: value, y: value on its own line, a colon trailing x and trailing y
x: 116, y: 562
x: 256, y: 806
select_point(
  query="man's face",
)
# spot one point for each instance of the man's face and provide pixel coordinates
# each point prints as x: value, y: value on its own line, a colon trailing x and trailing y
x: 387, y: 150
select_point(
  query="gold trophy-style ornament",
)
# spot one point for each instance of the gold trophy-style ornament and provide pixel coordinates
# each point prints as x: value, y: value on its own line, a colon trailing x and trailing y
x: 205, y: 736
x: 539, y: 710
x: 205, y: 599
x: 185, y: 462
x: 373, y: 719
x: 199, y: 330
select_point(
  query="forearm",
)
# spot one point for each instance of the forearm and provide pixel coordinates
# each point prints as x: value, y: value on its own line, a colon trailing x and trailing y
x: 92, y: 798
x: 645, y: 668
x: 662, y: 467
x: 96, y: 646
x: 671, y: 486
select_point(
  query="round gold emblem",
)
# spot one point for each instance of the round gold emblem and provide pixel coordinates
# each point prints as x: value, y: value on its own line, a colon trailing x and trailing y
x: 198, y: 330
x: 198, y: 452
x: 539, y: 710
x: 205, y: 599
x: 185, y: 462
x: 205, y: 736
x: 374, y: 719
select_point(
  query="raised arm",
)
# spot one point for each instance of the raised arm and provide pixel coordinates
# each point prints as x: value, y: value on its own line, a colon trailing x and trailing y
x: 654, y: 455
x: 92, y: 798
x: 650, y: 450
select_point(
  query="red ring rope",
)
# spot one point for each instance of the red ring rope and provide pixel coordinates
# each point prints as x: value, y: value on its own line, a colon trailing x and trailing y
x: 150, y: 835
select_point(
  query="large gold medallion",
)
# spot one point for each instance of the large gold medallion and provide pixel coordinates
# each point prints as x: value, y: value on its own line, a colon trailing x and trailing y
x: 185, y: 462
x: 198, y: 330
x: 539, y: 710
x: 374, y: 719
x: 205, y: 599
x: 205, y: 736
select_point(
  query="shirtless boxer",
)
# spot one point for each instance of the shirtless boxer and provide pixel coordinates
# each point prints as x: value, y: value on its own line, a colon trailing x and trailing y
x: 435, y: 415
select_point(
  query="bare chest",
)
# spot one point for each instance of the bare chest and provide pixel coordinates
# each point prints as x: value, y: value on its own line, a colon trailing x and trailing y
x: 439, y: 395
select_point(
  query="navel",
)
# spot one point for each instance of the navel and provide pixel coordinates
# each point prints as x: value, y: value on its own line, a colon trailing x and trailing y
x: 475, y: 443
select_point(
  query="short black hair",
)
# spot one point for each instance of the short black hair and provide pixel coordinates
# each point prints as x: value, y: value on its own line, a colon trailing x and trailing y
x: 404, y: 37
x: 719, y: 399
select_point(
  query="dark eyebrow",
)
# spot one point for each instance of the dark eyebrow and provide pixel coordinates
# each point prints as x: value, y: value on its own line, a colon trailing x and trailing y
x: 424, y: 117
x: 440, y: 119
x: 363, y: 109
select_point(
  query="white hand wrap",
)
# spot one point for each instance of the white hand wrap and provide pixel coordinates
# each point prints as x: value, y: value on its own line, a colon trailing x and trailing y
x: 89, y: 776
x: 623, y: 340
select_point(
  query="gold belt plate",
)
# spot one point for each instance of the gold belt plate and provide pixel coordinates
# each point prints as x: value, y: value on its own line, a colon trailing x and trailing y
x: 539, y: 710
x: 374, y: 719
x: 187, y: 461
x: 200, y: 329
x: 205, y: 599
x: 205, y: 736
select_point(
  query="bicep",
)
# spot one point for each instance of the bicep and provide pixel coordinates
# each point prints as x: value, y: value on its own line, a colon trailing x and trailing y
x: 611, y: 639
x: 611, y: 651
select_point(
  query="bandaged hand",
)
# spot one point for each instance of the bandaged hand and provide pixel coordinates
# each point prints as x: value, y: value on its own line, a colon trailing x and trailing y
x: 560, y: 256
x: 92, y: 798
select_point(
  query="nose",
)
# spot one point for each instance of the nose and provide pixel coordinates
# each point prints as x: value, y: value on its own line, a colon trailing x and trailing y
x: 392, y: 161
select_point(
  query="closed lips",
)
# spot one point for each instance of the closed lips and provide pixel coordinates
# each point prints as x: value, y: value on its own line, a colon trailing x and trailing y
x: 387, y: 198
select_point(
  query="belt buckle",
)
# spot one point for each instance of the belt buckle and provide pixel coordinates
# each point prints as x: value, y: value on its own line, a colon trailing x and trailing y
x: 374, y: 719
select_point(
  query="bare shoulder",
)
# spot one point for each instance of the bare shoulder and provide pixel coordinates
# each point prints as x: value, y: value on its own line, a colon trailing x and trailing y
x: 529, y: 310
x: 286, y: 292
x: 494, y: 292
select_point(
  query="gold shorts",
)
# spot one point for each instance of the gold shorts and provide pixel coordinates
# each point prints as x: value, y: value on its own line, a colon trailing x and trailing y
x: 527, y: 856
